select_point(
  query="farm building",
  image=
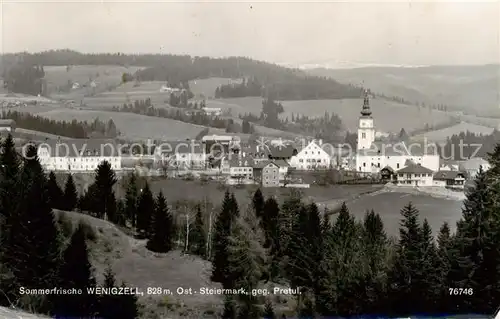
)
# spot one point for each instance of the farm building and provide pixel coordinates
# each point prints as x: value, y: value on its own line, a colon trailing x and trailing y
x: 414, y: 175
x: 371, y: 156
x: 311, y: 157
x: 181, y: 155
x: 240, y: 170
x: 78, y: 155
x: 451, y: 179
x: 7, y: 125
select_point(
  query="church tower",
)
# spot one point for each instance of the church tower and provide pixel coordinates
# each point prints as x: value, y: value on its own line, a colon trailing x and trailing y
x: 366, y: 129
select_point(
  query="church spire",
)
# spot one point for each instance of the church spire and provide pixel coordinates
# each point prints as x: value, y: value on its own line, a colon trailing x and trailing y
x: 366, y: 111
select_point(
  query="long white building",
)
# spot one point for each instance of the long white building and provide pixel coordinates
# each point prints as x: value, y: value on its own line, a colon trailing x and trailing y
x: 78, y: 155
x: 372, y: 156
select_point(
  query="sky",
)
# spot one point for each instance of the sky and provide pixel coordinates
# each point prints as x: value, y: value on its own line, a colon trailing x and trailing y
x: 370, y: 32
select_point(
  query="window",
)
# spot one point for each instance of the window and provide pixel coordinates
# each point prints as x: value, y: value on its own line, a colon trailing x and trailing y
x: 397, y: 165
x: 364, y: 164
x: 378, y: 165
x: 363, y: 135
x: 301, y: 161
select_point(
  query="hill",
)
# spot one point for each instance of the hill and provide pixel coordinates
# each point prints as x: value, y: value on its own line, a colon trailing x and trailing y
x: 276, y: 81
x: 470, y: 88
x: 134, y: 126
x: 7, y: 313
x: 389, y: 116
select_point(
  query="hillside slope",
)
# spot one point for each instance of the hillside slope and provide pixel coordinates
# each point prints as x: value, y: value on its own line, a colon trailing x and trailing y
x: 6, y: 313
x: 472, y: 88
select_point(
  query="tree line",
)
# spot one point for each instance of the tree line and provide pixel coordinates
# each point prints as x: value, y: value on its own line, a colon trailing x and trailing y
x: 39, y: 250
x: 464, y: 145
x: 73, y: 129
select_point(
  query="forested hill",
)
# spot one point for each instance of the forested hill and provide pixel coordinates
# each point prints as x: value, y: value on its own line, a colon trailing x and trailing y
x: 276, y: 81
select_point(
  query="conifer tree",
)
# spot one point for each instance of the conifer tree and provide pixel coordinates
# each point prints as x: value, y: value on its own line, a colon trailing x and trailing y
x: 197, y: 237
x: 270, y: 224
x: 269, y: 311
x: 105, y: 180
x: 116, y: 306
x: 230, y: 309
x: 131, y: 200
x: 162, y: 229
x: 222, y: 230
x: 258, y: 202
x: 246, y: 262
x: 9, y: 168
x: 443, y: 267
x: 76, y: 272
x: 70, y: 194
x: 145, y: 209
x: 54, y: 192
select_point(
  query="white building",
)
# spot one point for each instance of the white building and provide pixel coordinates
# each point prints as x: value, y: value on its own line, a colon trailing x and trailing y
x: 371, y: 156
x: 78, y: 155
x: 212, y: 111
x: 7, y: 125
x: 181, y: 155
x: 414, y: 175
x: 239, y: 170
x: 311, y: 157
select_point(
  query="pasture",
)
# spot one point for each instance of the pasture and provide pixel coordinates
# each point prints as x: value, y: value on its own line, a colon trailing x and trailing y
x: 389, y: 116
x: 134, y: 126
x: 439, y: 136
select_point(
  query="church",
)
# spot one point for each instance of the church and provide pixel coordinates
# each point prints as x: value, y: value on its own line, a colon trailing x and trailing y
x: 372, y: 155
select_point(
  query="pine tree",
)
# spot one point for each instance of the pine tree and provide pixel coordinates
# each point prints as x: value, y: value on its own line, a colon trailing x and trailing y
x: 131, y: 200
x: 222, y: 230
x: 76, y: 272
x: 70, y: 194
x: 105, y: 180
x: 197, y: 237
x: 54, y: 192
x: 114, y: 305
x: 270, y: 224
x: 162, y: 229
x: 269, y: 311
x: 246, y: 262
x: 145, y: 209
x: 258, y: 202
x: 229, y: 307
x: 10, y: 165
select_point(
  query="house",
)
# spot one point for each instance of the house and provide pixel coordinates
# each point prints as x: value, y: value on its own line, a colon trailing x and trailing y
x: 267, y: 173
x: 7, y: 125
x: 414, y: 175
x: 281, y: 151
x: 450, y: 179
x: 218, y: 143
x: 212, y: 111
x: 311, y: 157
x: 240, y: 170
x: 79, y: 155
x: 181, y: 155
x: 471, y: 166
x: 372, y: 156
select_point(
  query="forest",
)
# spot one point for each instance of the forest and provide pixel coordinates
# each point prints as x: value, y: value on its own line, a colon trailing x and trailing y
x: 73, y: 129
x: 278, y: 82
x: 468, y: 144
x: 342, y: 268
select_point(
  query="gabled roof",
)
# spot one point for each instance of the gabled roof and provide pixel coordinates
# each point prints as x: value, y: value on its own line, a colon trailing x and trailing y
x: 282, y: 151
x: 262, y: 164
x: 474, y: 163
x: 388, y: 168
x: 239, y: 161
x: 180, y: 147
x: 414, y: 169
x: 447, y: 175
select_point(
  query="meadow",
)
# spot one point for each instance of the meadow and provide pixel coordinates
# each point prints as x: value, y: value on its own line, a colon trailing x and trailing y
x: 134, y: 126
x: 439, y: 136
x: 384, y: 112
x: 206, y: 87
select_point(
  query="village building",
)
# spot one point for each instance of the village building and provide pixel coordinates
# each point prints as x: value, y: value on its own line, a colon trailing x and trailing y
x: 239, y: 170
x: 212, y: 111
x: 181, y: 155
x: 267, y: 173
x: 311, y: 157
x: 414, y: 175
x: 449, y: 179
x: 372, y: 156
x: 78, y: 155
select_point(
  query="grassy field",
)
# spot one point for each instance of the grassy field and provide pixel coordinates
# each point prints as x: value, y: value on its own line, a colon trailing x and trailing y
x: 384, y: 112
x: 441, y: 135
x: 102, y: 75
x: 134, y: 126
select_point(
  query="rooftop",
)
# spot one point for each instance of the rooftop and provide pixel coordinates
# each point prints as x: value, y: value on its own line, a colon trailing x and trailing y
x: 415, y: 169
x: 81, y: 147
x: 447, y: 175
x: 399, y: 149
